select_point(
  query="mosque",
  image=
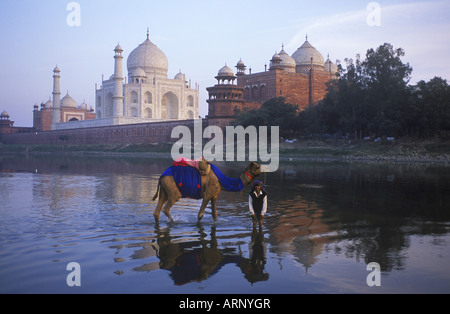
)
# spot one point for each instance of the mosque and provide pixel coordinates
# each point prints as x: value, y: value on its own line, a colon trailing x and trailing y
x: 146, y: 95
x: 69, y: 110
x: 300, y: 78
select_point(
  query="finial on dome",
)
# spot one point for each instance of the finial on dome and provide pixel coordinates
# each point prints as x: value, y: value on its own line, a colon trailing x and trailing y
x: 148, y: 33
x: 306, y: 37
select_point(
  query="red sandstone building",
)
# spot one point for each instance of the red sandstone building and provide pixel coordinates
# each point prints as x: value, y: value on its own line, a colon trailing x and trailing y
x: 7, y: 126
x: 301, y: 79
x: 42, y: 119
x: 70, y: 111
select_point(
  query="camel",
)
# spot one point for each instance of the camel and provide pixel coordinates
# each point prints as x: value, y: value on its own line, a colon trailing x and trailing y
x: 169, y: 192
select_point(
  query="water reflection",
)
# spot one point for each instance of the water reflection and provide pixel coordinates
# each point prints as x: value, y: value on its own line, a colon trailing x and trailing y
x: 298, y: 228
x: 196, y: 256
x: 317, y: 211
x: 362, y: 212
x: 254, y: 266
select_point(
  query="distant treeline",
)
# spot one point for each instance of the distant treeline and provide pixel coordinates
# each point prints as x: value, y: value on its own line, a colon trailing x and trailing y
x: 372, y: 98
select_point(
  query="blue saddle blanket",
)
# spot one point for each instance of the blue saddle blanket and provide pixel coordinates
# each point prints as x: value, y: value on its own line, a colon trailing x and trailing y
x: 188, y: 180
x: 228, y: 184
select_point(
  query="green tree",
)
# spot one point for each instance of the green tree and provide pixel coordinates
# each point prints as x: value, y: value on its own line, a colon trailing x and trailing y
x: 370, y: 98
x: 386, y: 78
x: 432, y: 110
x: 274, y: 112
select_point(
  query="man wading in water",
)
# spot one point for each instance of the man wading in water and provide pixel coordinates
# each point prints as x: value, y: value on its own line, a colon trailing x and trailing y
x: 257, y: 203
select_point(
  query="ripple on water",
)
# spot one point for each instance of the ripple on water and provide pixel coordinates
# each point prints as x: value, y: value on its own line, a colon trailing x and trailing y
x: 317, y: 234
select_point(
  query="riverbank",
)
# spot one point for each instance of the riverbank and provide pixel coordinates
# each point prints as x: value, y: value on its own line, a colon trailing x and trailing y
x: 405, y: 150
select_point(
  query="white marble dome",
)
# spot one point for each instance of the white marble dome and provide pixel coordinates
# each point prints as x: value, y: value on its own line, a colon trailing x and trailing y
x: 225, y: 71
x: 287, y: 62
x: 149, y: 58
x: 180, y: 76
x: 304, y: 54
x: 68, y: 101
x: 138, y: 72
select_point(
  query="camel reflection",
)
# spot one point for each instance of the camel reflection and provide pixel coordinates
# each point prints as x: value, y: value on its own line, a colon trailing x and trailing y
x: 191, y: 259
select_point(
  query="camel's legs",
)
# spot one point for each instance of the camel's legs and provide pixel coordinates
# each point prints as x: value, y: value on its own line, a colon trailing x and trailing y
x: 169, y: 205
x: 161, y: 201
x: 214, y: 208
x: 202, y: 208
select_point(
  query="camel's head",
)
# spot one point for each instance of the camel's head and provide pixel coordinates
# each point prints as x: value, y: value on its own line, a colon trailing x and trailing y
x: 251, y: 172
x: 204, y: 167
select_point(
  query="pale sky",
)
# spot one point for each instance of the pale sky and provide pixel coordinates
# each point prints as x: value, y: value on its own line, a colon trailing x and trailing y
x: 199, y: 37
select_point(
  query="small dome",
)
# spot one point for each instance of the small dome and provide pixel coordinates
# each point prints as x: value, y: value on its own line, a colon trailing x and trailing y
x: 49, y: 104
x: 276, y: 57
x: 225, y: 71
x: 56, y: 70
x: 287, y: 62
x: 4, y: 114
x: 118, y: 48
x: 240, y: 63
x: 180, y: 76
x: 329, y: 66
x: 139, y: 72
x: 275, y: 62
x: 304, y: 54
x: 84, y: 105
x: 68, y: 101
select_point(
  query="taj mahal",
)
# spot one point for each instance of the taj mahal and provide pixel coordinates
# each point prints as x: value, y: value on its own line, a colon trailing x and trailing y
x: 145, y: 95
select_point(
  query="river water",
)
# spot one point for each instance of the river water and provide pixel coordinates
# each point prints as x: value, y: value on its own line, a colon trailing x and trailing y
x: 325, y: 223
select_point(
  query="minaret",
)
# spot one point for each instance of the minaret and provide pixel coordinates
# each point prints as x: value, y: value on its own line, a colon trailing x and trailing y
x: 56, y: 118
x: 118, y: 81
x: 226, y: 99
x: 240, y: 68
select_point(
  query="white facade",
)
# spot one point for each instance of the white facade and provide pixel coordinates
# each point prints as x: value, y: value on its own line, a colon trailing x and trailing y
x: 148, y: 94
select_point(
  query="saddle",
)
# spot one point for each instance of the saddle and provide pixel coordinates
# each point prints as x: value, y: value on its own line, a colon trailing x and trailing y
x: 202, y: 165
x: 187, y: 176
